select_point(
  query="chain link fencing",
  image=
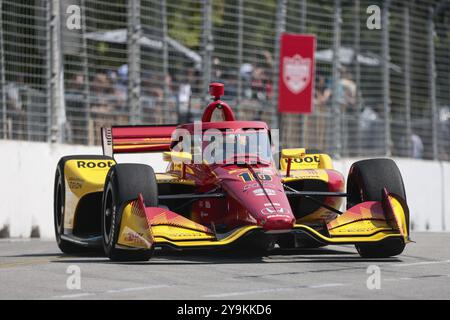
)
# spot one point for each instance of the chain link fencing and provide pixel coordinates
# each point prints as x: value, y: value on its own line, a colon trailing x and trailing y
x: 378, y: 92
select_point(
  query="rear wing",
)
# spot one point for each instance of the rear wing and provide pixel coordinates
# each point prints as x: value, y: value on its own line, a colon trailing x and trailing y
x: 136, y: 139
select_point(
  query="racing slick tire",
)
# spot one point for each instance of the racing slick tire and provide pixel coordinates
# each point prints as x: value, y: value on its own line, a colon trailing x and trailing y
x: 365, y: 182
x: 59, y: 201
x: 123, y: 184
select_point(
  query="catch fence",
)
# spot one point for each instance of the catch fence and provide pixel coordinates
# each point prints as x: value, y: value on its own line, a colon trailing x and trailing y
x: 69, y: 67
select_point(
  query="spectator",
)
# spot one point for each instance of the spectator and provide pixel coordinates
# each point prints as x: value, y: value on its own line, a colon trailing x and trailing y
x: 245, y: 72
x: 76, y: 109
x: 122, y: 81
x: 103, y: 105
x: 369, y: 127
x: 231, y: 85
x: 258, y: 84
x: 100, y: 89
x: 268, y: 60
x: 76, y: 84
x: 152, y: 90
x: 217, y: 70
x: 346, y: 99
x: 416, y: 146
x: 323, y: 93
x: 184, y: 95
x: 322, y: 111
x: 346, y: 92
x: 16, y: 109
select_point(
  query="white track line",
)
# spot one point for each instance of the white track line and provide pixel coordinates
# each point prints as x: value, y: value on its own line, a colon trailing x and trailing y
x: 112, y: 291
x: 423, y: 263
x: 326, y: 285
x: 75, y: 295
x: 242, y: 293
x: 136, y: 289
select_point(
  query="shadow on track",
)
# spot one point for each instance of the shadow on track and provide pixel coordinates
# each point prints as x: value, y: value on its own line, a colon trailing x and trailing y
x: 194, y: 257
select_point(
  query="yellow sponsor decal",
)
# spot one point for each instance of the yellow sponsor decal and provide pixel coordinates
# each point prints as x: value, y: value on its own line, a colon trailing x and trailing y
x: 134, y: 230
x: 131, y: 238
x: 361, y: 228
x: 82, y: 176
x: 315, y: 174
x: 300, y: 160
x: 179, y: 234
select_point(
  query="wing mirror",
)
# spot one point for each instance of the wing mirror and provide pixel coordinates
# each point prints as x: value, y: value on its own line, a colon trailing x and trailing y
x: 290, y: 154
x: 177, y: 157
x: 293, y: 153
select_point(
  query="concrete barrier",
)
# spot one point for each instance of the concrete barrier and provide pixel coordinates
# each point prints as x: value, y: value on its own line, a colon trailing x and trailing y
x: 446, y: 196
x: 28, y: 168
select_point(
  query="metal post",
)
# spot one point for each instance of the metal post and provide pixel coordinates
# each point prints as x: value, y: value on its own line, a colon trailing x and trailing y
x: 2, y: 75
x: 407, y: 68
x: 432, y: 81
x: 357, y: 48
x: 303, y: 120
x: 386, y: 77
x: 134, y: 60
x: 57, y: 110
x: 166, y: 112
x: 208, y: 46
x: 240, y: 47
x: 337, y: 115
x: 48, y: 59
x: 54, y: 66
x: 85, y: 66
x: 280, y: 28
x: 303, y: 15
x: 49, y: 75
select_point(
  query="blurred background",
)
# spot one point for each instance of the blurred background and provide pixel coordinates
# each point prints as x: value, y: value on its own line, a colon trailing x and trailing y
x: 378, y: 92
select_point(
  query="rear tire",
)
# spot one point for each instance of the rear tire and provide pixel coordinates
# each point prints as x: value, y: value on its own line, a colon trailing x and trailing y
x: 123, y: 184
x: 366, y: 181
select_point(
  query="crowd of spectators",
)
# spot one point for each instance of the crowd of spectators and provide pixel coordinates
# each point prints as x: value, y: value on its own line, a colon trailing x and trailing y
x: 24, y: 115
x: 101, y: 99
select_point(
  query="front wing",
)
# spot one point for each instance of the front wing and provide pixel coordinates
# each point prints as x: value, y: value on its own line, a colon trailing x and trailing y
x: 368, y: 222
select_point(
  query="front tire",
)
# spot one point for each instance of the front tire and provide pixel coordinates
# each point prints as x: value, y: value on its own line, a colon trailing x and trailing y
x: 366, y: 181
x: 386, y: 249
x: 123, y: 184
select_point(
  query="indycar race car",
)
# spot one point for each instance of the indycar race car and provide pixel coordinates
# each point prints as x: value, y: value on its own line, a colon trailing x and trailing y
x: 223, y: 189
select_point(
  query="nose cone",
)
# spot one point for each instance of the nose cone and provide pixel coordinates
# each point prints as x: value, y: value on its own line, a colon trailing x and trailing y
x: 264, y: 200
x: 278, y: 222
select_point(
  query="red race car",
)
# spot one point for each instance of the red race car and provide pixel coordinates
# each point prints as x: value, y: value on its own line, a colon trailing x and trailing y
x: 222, y: 188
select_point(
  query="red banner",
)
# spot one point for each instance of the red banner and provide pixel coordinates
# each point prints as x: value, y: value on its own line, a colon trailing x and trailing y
x: 296, y: 69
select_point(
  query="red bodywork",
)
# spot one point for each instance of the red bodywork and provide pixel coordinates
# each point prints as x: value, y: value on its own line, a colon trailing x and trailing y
x: 255, y: 194
x: 256, y: 201
x: 254, y: 191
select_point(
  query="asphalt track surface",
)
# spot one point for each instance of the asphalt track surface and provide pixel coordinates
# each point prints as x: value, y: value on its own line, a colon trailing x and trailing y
x: 35, y: 269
